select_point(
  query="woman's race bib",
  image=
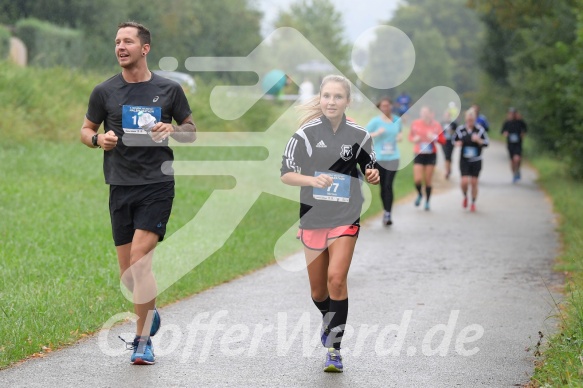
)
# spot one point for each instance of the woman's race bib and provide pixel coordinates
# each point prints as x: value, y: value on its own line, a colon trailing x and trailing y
x: 388, y: 149
x: 339, y: 191
x: 426, y: 148
x: 470, y: 152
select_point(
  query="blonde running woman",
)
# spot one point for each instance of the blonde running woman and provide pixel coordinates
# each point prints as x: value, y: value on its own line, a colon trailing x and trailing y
x: 323, y: 158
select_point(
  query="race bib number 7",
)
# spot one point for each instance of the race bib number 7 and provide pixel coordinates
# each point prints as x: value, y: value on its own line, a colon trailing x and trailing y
x: 339, y: 191
x: 130, y: 115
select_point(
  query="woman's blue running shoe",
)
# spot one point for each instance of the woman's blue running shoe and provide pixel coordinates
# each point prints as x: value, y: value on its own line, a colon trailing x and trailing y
x: 324, y: 332
x: 156, y: 322
x: 143, y: 351
x: 418, y: 200
x: 333, y: 361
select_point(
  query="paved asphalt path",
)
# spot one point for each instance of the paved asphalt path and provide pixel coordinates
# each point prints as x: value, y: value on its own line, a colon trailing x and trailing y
x: 457, y: 298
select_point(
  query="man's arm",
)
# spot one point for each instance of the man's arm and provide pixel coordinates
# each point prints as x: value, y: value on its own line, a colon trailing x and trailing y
x: 183, y: 133
x: 107, y: 141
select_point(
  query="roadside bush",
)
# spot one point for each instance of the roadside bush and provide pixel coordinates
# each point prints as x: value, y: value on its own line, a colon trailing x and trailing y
x: 49, y: 45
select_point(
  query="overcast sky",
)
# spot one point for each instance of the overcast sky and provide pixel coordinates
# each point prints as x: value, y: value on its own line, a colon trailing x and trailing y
x: 358, y: 15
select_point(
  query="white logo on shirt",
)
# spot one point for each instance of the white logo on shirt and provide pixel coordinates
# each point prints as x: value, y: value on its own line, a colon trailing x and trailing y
x: 321, y: 144
x: 155, y: 99
x: 346, y: 152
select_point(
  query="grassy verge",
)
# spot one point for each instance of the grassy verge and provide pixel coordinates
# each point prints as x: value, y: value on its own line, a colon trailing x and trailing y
x: 561, y: 363
x: 58, y: 268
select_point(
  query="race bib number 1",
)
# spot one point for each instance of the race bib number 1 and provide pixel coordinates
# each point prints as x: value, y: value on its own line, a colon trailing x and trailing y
x: 131, y: 113
x: 339, y: 191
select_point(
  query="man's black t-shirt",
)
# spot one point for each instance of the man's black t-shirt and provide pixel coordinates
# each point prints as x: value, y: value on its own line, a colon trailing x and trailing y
x: 137, y: 160
x: 315, y: 149
x: 515, y: 129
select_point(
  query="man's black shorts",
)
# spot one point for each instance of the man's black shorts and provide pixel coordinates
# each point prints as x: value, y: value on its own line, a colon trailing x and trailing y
x: 145, y: 207
x: 426, y: 159
x: 514, y: 149
x: 470, y: 168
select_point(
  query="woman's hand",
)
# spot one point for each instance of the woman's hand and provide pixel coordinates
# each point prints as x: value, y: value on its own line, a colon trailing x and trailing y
x: 372, y: 176
x: 322, y: 181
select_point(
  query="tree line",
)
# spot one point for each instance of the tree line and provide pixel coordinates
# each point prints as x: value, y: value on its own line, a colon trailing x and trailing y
x: 533, y: 53
x: 180, y: 28
x: 527, y: 53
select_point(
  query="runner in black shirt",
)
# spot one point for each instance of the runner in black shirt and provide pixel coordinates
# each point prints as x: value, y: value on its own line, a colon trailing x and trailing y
x: 514, y: 130
x: 137, y: 108
x: 471, y: 138
x: 323, y: 157
x: 449, y: 128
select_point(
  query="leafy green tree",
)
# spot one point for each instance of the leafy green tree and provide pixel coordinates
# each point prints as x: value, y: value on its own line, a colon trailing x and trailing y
x: 461, y: 31
x: 180, y: 28
x: 433, y: 65
x: 542, y: 62
x: 322, y: 25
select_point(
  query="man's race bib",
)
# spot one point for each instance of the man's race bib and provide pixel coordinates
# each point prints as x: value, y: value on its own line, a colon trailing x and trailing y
x: 388, y: 149
x: 513, y: 137
x: 470, y: 152
x: 339, y: 191
x: 426, y: 148
x: 130, y: 115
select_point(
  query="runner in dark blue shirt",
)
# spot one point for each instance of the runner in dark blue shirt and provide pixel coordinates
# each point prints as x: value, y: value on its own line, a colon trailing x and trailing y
x: 403, y: 103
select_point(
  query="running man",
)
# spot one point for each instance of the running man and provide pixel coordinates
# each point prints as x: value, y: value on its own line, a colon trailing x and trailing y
x: 385, y: 129
x: 136, y: 107
x: 514, y: 130
x: 425, y: 134
x: 323, y: 158
x: 471, y: 138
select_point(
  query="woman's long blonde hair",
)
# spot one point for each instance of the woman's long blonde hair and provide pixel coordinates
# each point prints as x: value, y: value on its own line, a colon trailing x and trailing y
x: 311, y: 109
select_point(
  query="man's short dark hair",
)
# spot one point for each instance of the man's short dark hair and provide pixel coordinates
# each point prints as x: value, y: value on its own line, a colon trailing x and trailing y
x: 143, y: 32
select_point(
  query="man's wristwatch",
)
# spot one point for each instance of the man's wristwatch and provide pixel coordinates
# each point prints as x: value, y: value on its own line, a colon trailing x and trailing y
x: 94, y: 141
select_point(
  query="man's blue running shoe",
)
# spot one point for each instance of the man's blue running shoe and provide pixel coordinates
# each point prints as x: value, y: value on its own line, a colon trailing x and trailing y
x: 333, y: 361
x: 427, y: 206
x: 418, y: 200
x: 143, y: 351
x: 156, y: 322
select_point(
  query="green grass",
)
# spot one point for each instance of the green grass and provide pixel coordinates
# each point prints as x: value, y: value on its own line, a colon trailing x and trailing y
x: 561, y: 363
x: 58, y: 267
